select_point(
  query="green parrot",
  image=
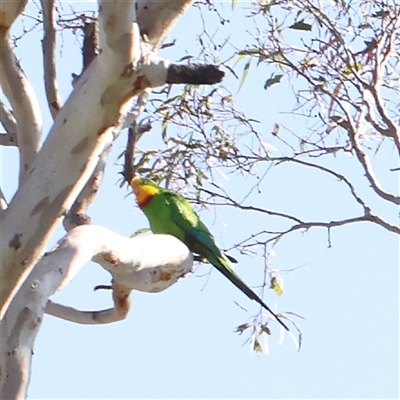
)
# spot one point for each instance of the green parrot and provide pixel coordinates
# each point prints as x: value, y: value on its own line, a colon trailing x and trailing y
x: 170, y: 213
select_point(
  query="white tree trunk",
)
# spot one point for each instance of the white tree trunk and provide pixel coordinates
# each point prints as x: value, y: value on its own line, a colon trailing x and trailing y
x: 82, y: 130
x: 53, y: 175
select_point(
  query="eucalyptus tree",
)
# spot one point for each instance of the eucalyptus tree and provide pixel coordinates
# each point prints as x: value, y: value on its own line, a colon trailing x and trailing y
x: 337, y: 63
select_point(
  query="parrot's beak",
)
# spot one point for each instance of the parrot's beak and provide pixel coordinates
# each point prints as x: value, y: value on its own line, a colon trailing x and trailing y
x: 135, y: 187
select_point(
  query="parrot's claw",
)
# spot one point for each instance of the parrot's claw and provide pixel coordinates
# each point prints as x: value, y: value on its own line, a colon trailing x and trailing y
x: 107, y: 287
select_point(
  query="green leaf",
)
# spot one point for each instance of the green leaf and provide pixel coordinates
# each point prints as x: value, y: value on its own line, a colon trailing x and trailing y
x: 140, y: 232
x: 274, y: 79
x: 241, y: 328
x: 301, y: 26
x: 276, y: 286
x: 275, y: 129
x: 264, y: 328
x: 245, y: 73
x: 164, y: 128
x: 257, y: 346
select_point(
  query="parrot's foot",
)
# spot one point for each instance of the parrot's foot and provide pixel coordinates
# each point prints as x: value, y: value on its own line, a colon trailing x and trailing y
x: 107, y: 287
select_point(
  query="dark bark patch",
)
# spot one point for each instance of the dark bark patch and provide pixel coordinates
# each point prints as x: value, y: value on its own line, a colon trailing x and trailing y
x: 15, y: 242
x: 81, y: 146
x: 41, y: 206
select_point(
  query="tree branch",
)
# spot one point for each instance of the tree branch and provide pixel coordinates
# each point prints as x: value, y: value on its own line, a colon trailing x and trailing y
x: 24, y: 105
x: 335, y: 223
x: 49, y: 58
x: 349, y: 125
x: 195, y: 74
x: 306, y: 225
x: 340, y: 177
x: 364, y: 161
x: 90, y: 45
x: 3, y: 202
x: 82, y: 130
x: 133, y: 264
x: 8, y: 121
x: 77, y: 215
x: 383, y: 51
x: 7, y: 139
x: 233, y: 203
x: 9, y: 11
x: 156, y: 18
x: 108, y: 316
x: 368, y: 216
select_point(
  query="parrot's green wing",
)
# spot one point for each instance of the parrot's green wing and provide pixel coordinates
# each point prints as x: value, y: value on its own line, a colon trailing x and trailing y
x: 199, y: 240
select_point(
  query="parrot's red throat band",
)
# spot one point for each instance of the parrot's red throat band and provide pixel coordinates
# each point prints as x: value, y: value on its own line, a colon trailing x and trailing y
x: 144, y: 199
x: 144, y: 194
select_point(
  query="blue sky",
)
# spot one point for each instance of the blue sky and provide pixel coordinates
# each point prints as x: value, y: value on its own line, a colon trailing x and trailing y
x: 181, y: 343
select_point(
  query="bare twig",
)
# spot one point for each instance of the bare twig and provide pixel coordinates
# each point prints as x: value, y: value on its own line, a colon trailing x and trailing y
x: 368, y: 216
x: 252, y: 240
x: 371, y: 118
x: 133, y: 115
x: 351, y: 128
x: 364, y: 160
x: 233, y: 203
x: 335, y: 223
x: 49, y: 58
x: 77, y: 215
x: 385, y: 47
x: 135, y: 132
x: 340, y: 177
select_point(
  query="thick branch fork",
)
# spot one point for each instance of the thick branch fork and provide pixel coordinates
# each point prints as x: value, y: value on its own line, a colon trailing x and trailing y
x: 83, y: 128
x: 147, y: 263
x: 53, y: 175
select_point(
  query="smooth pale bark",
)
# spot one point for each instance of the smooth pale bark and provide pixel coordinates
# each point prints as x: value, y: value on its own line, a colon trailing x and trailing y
x: 25, y: 106
x: 148, y: 263
x: 9, y: 11
x: 82, y: 130
x: 155, y: 18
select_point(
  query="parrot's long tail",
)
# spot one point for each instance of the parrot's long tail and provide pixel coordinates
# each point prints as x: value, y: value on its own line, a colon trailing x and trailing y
x: 228, y: 273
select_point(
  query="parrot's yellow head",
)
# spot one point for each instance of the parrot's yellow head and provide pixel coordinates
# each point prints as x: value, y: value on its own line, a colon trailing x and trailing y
x: 144, y: 189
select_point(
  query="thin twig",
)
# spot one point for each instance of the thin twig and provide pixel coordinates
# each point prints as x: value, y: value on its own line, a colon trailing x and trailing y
x: 77, y: 215
x: 368, y: 216
x: 350, y: 126
x: 234, y: 203
x: 340, y: 177
x: 364, y: 161
x: 304, y: 226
